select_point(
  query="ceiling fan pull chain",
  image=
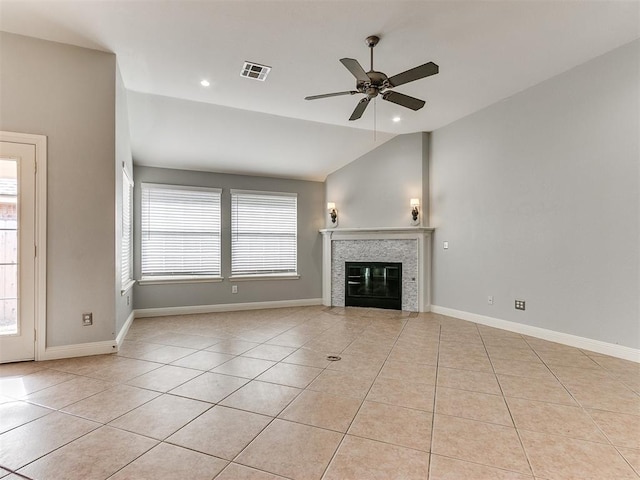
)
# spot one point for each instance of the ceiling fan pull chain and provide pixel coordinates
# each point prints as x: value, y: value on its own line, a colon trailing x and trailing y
x: 375, y: 116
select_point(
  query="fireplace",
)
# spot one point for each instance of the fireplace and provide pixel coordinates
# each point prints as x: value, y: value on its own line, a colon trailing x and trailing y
x: 408, y: 246
x: 373, y: 284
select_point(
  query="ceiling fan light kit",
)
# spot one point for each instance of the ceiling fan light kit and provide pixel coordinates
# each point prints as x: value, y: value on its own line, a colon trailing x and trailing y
x: 373, y: 83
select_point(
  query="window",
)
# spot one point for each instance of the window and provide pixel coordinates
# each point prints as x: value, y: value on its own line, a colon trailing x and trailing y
x: 180, y: 232
x: 263, y: 233
x: 126, y: 257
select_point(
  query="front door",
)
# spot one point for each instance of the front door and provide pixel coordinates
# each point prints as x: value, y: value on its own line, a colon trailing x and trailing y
x: 17, y: 251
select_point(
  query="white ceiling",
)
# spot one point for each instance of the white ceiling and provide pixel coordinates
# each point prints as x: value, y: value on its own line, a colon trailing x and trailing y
x: 487, y: 51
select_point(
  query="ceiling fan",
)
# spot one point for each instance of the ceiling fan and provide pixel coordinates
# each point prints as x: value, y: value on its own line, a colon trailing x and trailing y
x: 372, y: 83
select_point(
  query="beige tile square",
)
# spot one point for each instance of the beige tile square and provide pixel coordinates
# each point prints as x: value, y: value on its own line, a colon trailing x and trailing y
x: 401, y: 393
x: 81, y: 365
x: 504, y: 366
x: 123, y: 369
x: 203, y: 360
x: 176, y: 339
x: 289, y: 374
x: 483, y: 382
x: 461, y: 360
x: 341, y: 383
x: 292, y: 450
x: 308, y: 358
x: 545, y: 389
x: 16, y: 413
x: 28, y: 442
x: 478, y: 442
x: 322, y: 410
x: 161, y: 417
x: 473, y: 405
x: 409, y: 372
x: 66, y: 393
x: 135, y: 349
x: 20, y: 386
x: 169, y: 462
x: 552, y: 457
x: 275, y: 353
x: 210, y: 387
x: 356, y: 365
x: 554, y: 419
x: 105, y: 406
x: 19, y: 368
x: 239, y: 472
x: 632, y: 456
x: 244, y: 367
x: 220, y: 431
x: 164, y: 378
x: 623, y: 430
x: 232, y: 346
x: 92, y: 457
x: 261, y: 397
x: 166, y: 354
x: 391, y: 424
x: 443, y: 468
x: 361, y: 458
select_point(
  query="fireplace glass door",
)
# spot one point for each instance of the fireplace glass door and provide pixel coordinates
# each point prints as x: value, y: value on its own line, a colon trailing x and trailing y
x: 373, y: 284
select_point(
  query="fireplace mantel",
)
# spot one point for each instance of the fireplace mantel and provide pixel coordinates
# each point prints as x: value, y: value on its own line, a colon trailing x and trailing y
x: 422, y: 237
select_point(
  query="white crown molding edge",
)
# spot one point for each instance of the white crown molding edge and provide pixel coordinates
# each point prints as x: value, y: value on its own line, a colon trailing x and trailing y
x: 618, y: 351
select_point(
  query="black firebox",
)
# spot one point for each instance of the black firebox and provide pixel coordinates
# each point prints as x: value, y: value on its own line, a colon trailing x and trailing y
x: 373, y: 284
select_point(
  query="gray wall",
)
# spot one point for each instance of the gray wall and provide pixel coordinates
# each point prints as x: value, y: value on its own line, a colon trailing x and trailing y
x: 310, y: 220
x: 68, y: 94
x: 375, y: 190
x: 538, y: 199
x: 124, y: 302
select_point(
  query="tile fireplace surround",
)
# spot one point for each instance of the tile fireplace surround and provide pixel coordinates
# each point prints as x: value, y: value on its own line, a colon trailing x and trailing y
x: 410, y: 246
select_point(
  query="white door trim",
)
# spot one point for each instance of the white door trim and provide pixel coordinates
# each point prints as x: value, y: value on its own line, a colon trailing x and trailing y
x: 40, y: 143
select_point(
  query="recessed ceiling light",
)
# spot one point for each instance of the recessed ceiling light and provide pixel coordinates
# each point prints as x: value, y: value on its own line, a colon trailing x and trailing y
x: 204, y: 83
x: 396, y: 119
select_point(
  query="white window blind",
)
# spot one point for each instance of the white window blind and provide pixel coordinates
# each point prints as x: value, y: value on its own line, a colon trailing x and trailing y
x: 180, y: 231
x: 264, y: 229
x: 126, y: 258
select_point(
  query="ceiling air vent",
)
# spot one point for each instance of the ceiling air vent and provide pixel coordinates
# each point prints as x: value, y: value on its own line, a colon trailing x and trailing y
x: 255, y: 71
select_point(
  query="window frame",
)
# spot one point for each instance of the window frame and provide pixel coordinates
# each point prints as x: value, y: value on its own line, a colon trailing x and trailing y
x: 126, y: 234
x: 167, y: 277
x: 290, y: 275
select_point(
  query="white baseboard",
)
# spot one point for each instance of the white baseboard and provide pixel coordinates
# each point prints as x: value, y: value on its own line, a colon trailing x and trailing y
x: 79, y: 350
x: 125, y: 328
x: 227, y: 307
x: 598, y: 346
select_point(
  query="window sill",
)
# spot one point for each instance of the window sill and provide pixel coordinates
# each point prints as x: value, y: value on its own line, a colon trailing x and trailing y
x: 178, y: 279
x: 248, y: 278
x: 126, y: 287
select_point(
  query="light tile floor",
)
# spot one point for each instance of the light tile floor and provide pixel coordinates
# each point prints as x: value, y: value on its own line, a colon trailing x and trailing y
x: 251, y: 395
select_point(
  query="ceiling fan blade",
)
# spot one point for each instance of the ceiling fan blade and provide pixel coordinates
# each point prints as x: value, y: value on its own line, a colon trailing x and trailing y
x: 416, y: 73
x: 327, y: 95
x: 403, y: 100
x: 360, y: 108
x: 356, y: 69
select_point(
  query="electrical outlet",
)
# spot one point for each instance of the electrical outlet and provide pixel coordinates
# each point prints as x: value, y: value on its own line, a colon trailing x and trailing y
x: 490, y: 299
x: 519, y: 304
x: 87, y: 319
x: 234, y: 288
x: 128, y: 300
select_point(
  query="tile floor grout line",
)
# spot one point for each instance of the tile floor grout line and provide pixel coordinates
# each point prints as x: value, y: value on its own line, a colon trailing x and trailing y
x: 524, y: 450
x: 364, y: 399
x: 435, y: 393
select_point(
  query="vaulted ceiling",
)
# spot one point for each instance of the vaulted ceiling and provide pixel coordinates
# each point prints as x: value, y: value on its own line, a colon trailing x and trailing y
x: 487, y: 51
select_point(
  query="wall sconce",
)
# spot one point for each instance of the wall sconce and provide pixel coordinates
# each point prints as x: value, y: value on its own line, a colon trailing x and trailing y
x: 333, y: 213
x: 415, y: 211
